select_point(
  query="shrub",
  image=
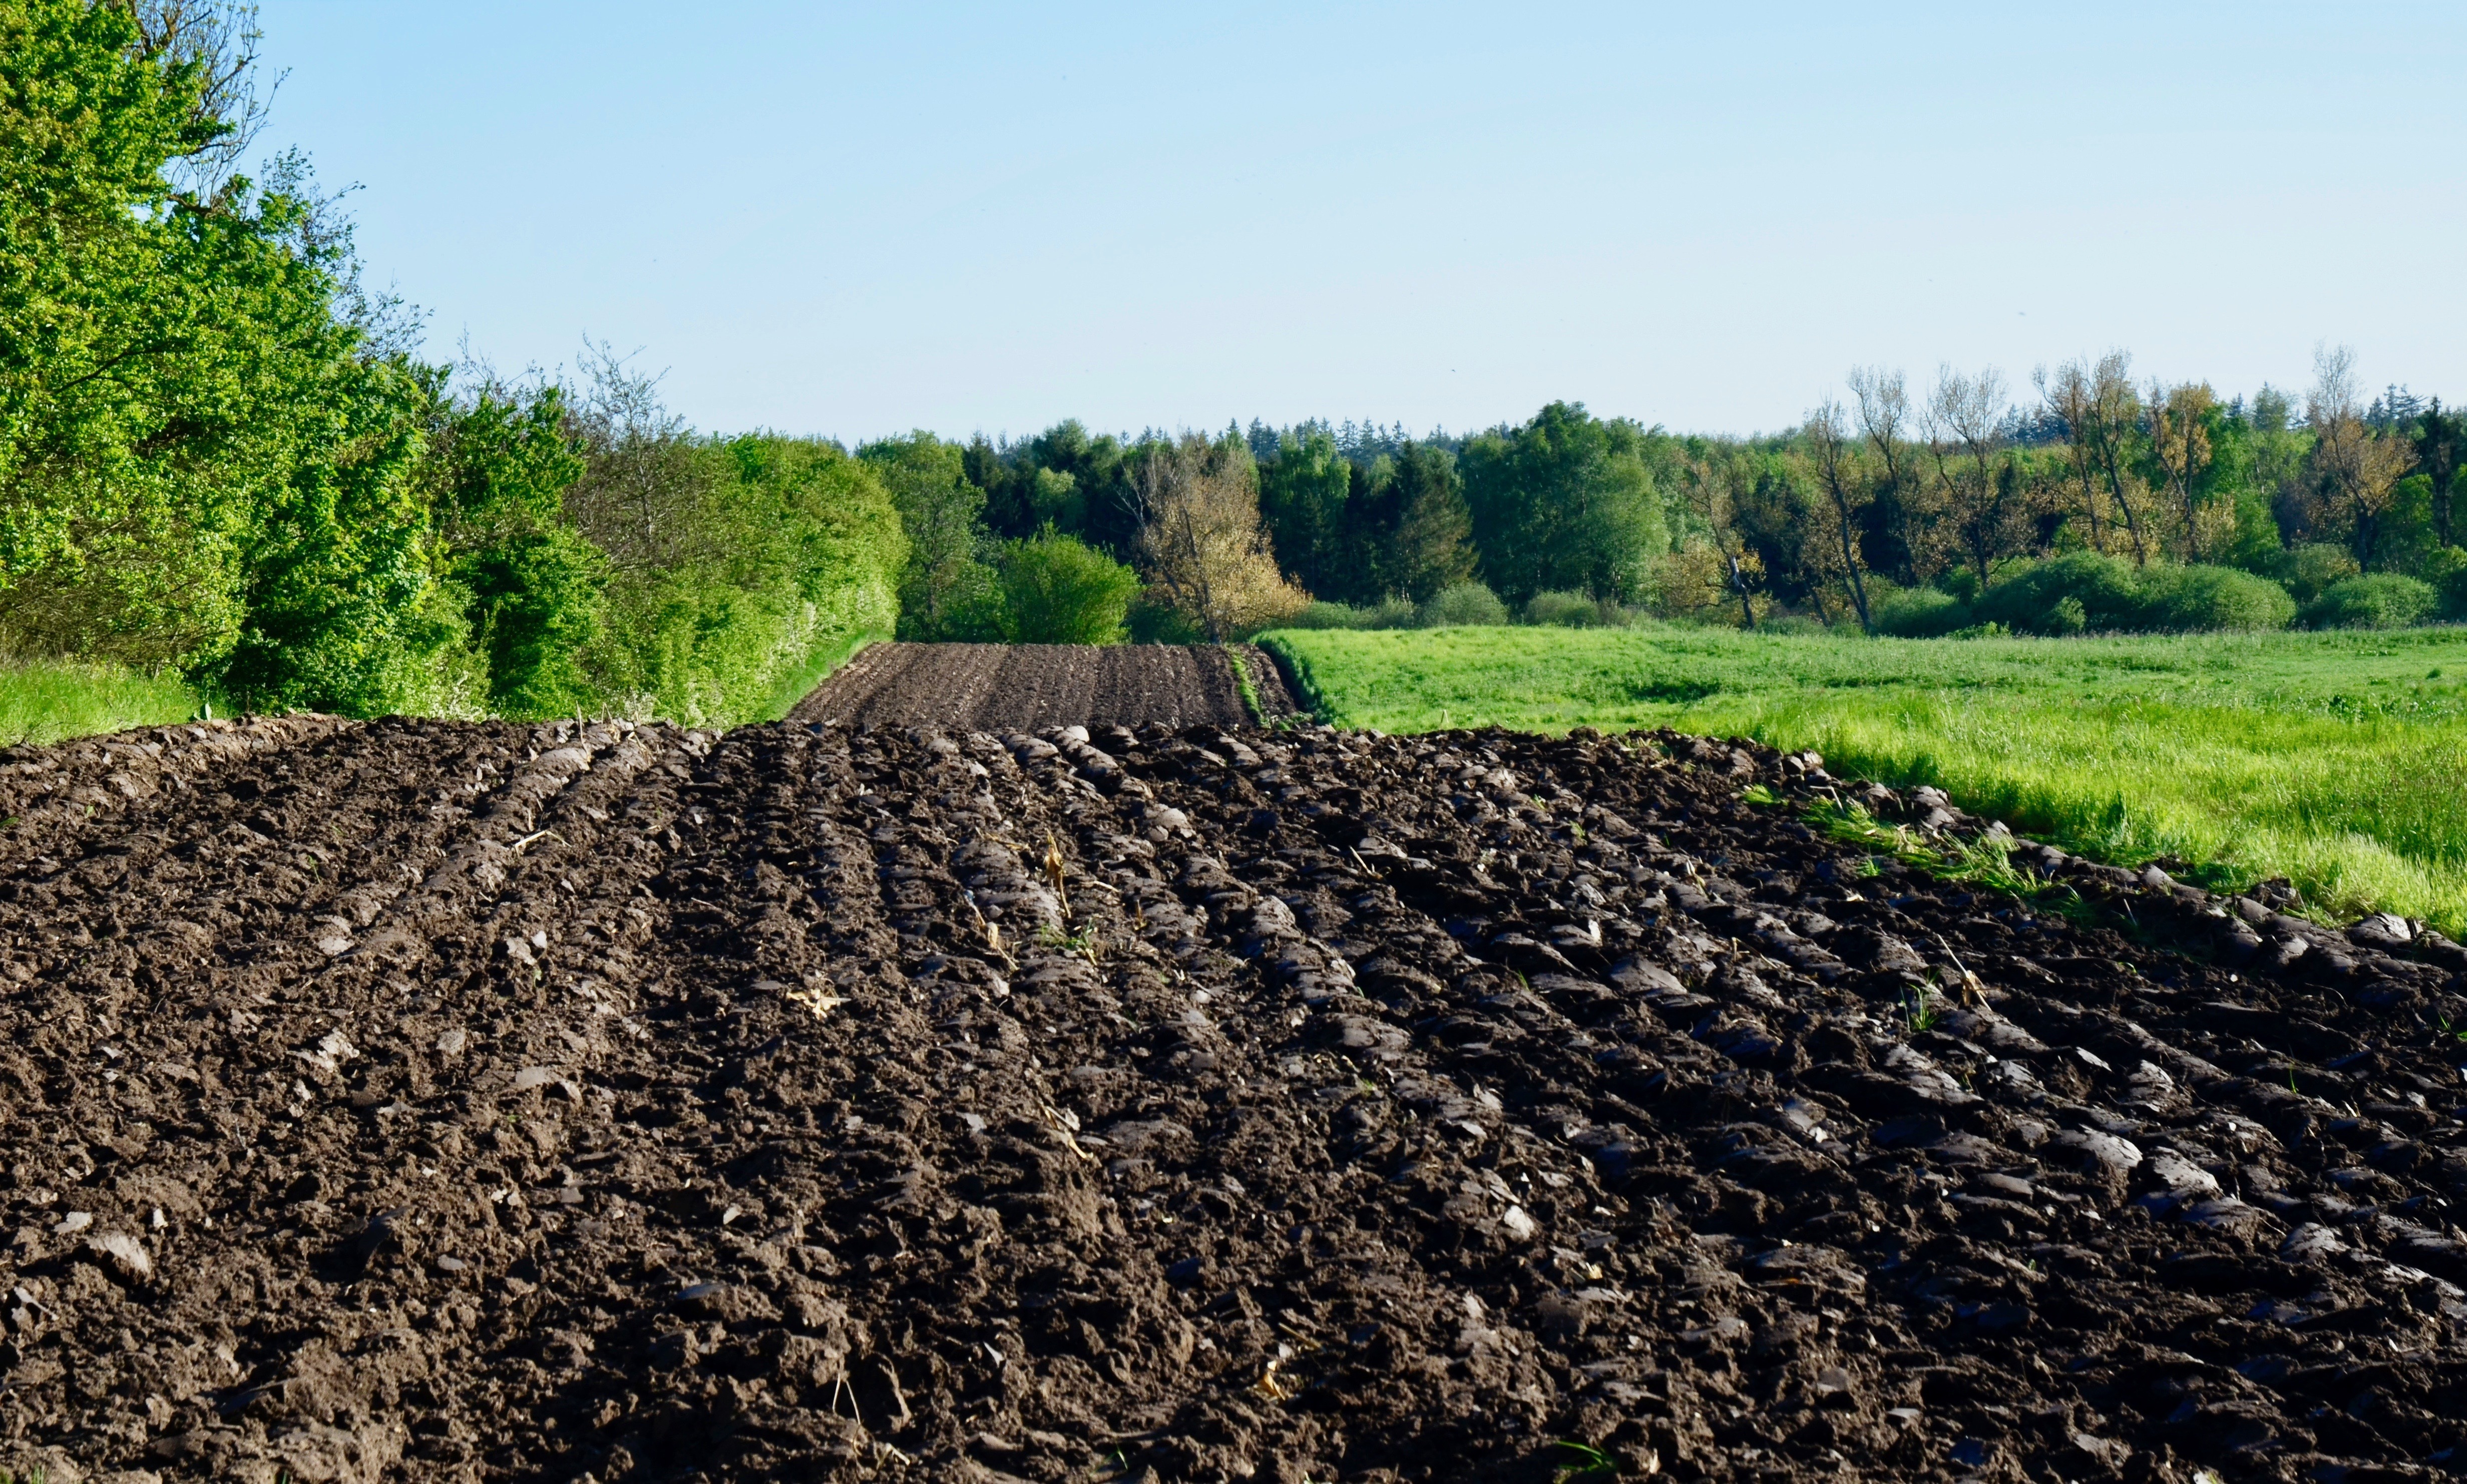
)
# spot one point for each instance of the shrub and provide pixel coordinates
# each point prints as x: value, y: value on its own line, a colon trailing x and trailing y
x: 538, y: 599
x: 2307, y: 572
x: 2197, y: 598
x: 2381, y: 600
x: 1466, y: 603
x: 1918, y: 613
x: 2447, y: 571
x: 2084, y: 591
x: 1058, y: 589
x: 1563, y: 610
x: 773, y: 550
x: 2025, y: 597
x: 1327, y: 616
x: 1395, y: 610
x: 1152, y: 618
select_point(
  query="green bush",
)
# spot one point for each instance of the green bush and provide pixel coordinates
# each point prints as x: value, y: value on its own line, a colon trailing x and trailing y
x: 1563, y: 610
x: 538, y: 597
x: 773, y: 550
x: 1323, y: 614
x: 2025, y: 597
x: 1918, y: 613
x: 2086, y: 592
x: 2211, y: 600
x: 1153, y: 620
x: 2447, y: 571
x: 1058, y: 589
x: 1394, y: 612
x: 1466, y: 603
x: 2308, y: 571
x: 2380, y: 600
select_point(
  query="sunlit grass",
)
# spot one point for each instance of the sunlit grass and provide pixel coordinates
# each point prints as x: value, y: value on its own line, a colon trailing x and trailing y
x: 44, y: 701
x: 2336, y: 760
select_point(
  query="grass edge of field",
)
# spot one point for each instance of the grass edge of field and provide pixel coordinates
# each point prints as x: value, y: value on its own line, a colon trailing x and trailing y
x: 2340, y: 874
x: 47, y: 701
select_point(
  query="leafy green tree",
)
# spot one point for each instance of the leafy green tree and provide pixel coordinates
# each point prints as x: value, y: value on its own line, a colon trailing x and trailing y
x: 948, y: 591
x: 1075, y: 481
x: 770, y: 553
x: 1431, y: 549
x: 532, y: 586
x: 537, y: 596
x: 1564, y: 502
x: 2440, y: 438
x: 1303, y: 495
x: 1058, y: 589
x: 204, y: 452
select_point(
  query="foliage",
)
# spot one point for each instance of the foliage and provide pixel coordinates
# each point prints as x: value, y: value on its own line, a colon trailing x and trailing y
x: 1202, y: 540
x: 2085, y: 591
x: 1564, y: 609
x: 1920, y: 613
x: 1564, y: 502
x: 2330, y: 758
x: 1466, y: 603
x: 1396, y: 526
x: 2202, y: 599
x: 2380, y: 600
x: 1057, y: 590
x: 2446, y: 572
x: 778, y: 548
x: 204, y: 436
x: 530, y: 587
x: 2309, y: 568
x: 949, y: 590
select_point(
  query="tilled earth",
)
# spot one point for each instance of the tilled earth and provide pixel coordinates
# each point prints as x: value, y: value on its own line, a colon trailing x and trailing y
x: 421, y: 1100
x: 1005, y: 685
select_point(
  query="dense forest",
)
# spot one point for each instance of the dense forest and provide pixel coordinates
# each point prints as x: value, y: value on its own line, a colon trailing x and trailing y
x: 222, y: 455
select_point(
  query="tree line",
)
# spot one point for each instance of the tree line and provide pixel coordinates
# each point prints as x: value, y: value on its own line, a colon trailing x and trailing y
x: 2105, y: 503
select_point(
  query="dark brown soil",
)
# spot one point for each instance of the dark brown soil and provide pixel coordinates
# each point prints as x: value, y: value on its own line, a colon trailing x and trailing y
x: 431, y: 1101
x: 1011, y: 686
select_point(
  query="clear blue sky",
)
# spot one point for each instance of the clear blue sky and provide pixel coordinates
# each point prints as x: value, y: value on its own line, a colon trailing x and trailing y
x: 856, y: 220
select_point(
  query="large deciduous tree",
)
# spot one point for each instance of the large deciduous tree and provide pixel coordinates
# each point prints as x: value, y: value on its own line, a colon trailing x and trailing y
x: 1564, y: 502
x: 1832, y: 459
x: 949, y: 589
x: 1962, y: 421
x: 2355, y: 471
x: 1201, y: 538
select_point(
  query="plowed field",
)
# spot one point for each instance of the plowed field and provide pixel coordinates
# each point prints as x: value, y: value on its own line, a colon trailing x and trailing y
x: 974, y: 687
x: 425, y: 1101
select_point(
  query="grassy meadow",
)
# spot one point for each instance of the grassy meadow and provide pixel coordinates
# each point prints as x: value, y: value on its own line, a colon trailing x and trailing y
x: 49, y: 699
x: 2336, y: 760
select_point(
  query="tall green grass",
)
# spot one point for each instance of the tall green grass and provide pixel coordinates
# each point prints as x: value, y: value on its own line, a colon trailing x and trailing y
x: 46, y: 700
x: 2336, y: 760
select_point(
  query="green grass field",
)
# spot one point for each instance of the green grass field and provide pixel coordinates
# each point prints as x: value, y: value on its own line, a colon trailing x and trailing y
x: 44, y: 701
x: 2338, y: 759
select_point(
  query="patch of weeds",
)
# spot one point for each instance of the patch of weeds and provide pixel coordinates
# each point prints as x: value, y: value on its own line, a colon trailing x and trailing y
x: 1586, y: 1462
x: 1985, y: 861
x: 1761, y: 796
x: 1922, y: 1008
x: 1251, y: 692
x: 1082, y: 943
